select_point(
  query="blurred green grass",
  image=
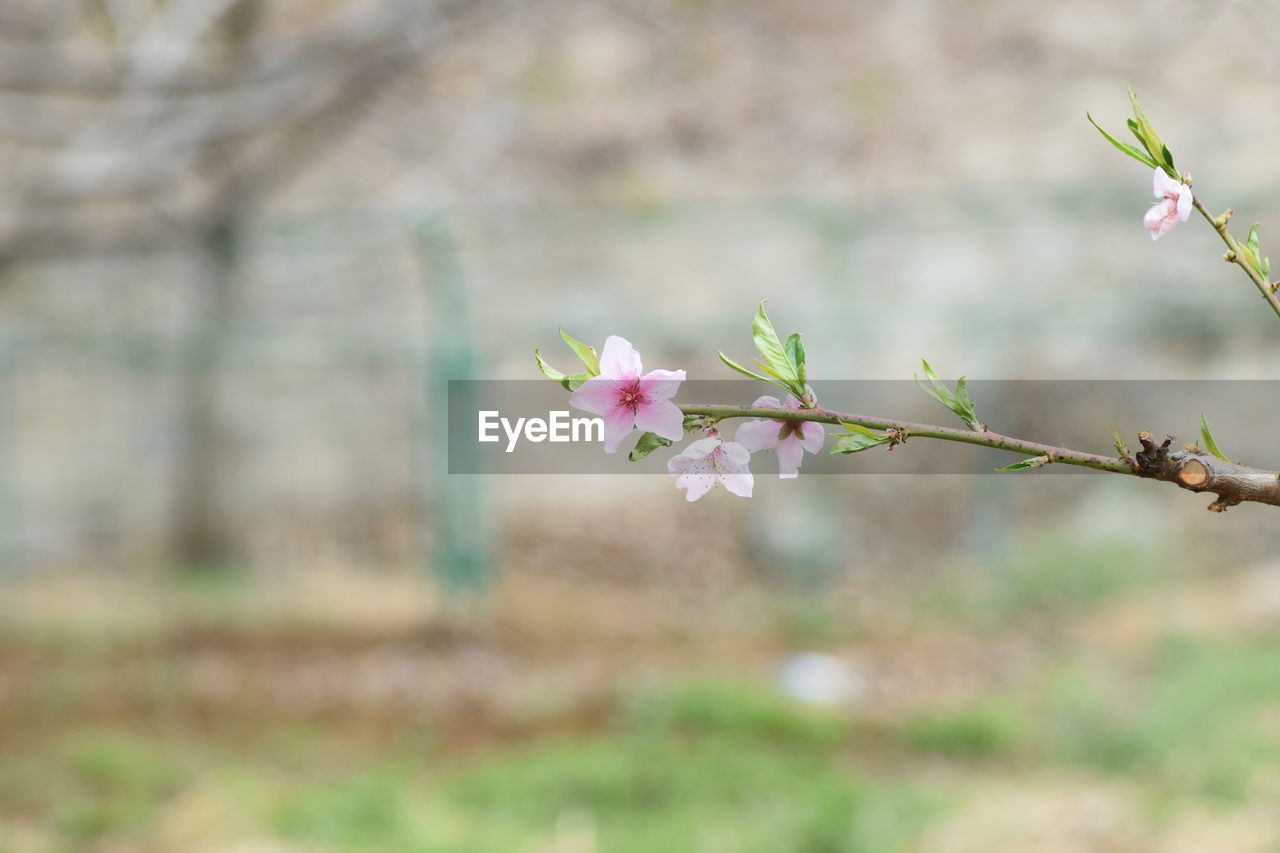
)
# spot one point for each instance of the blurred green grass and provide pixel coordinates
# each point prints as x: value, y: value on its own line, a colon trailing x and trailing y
x: 705, y: 759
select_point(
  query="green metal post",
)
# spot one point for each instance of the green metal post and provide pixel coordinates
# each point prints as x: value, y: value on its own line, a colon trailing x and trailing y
x: 461, y: 560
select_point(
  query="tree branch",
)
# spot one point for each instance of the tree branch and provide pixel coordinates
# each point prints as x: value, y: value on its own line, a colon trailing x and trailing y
x: 1236, y: 254
x: 1190, y: 468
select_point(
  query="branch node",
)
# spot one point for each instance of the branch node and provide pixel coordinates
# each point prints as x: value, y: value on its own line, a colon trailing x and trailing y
x: 1221, y: 504
x: 1229, y: 256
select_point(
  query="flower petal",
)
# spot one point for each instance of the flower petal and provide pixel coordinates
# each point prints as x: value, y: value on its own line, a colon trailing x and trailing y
x: 661, y: 384
x: 695, y: 485
x: 661, y: 417
x: 1184, y: 204
x: 766, y: 402
x: 790, y: 455
x: 1159, y: 218
x: 738, y: 484
x: 695, y: 451
x: 619, y: 360
x: 758, y: 434
x: 618, y: 423
x: 812, y: 436
x: 597, y: 395
x: 1164, y: 186
x: 736, y: 456
x: 1157, y: 212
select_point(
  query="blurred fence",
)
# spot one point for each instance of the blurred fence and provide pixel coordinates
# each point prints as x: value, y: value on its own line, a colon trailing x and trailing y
x: 344, y: 328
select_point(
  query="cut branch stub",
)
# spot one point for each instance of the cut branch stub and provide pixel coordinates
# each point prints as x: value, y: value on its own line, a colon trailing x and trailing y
x: 1197, y: 471
x: 1193, y: 475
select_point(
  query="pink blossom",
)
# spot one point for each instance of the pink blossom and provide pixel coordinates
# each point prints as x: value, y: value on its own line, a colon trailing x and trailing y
x: 626, y: 399
x: 790, y: 438
x: 712, y: 460
x: 1174, y: 205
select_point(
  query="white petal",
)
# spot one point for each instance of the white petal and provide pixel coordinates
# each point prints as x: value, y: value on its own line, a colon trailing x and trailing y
x: 695, y: 485
x: 661, y: 384
x: 739, y: 484
x: 790, y: 455
x: 736, y: 453
x: 619, y: 359
x: 758, y: 434
x: 812, y: 435
x: 1164, y: 186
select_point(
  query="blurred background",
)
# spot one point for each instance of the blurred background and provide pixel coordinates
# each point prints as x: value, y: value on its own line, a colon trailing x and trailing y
x: 245, y: 243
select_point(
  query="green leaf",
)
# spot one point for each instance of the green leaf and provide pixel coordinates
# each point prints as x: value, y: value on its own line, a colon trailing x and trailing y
x: 733, y: 365
x: 795, y: 354
x: 1022, y: 465
x: 646, y: 444
x: 939, y: 391
x: 859, y: 438
x: 692, y: 423
x: 770, y: 348
x: 1261, y: 264
x: 1146, y: 132
x: 1207, y: 437
x: 769, y: 370
x: 584, y: 352
x: 1125, y: 147
x: 547, y: 370
x: 958, y: 402
x: 571, y: 383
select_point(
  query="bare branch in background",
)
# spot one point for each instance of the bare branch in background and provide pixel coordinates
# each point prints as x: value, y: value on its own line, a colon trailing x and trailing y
x: 140, y: 130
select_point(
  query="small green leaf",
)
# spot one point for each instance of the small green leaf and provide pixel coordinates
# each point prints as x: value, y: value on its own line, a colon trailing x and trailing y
x: 958, y: 402
x: 692, y: 423
x: 1254, y: 253
x: 743, y: 370
x: 547, y: 370
x: 571, y: 383
x: 1022, y: 465
x: 1207, y: 437
x: 770, y: 348
x: 795, y: 354
x: 646, y: 444
x: 939, y: 391
x: 859, y: 438
x: 964, y: 406
x: 1125, y: 147
x: 769, y: 370
x: 1147, y: 131
x: 584, y: 352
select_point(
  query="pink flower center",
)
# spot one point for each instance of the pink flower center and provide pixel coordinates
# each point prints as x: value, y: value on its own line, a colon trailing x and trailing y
x: 631, y: 397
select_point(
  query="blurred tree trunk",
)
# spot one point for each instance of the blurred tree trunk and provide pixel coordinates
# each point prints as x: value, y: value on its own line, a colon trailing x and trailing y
x: 203, y: 538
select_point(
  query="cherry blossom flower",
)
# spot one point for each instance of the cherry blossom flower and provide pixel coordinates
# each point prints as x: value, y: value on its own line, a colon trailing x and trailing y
x: 1174, y: 205
x: 709, y: 461
x: 625, y: 399
x: 790, y: 438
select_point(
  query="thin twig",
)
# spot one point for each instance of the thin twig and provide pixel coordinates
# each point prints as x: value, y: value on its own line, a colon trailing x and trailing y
x: 1236, y: 254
